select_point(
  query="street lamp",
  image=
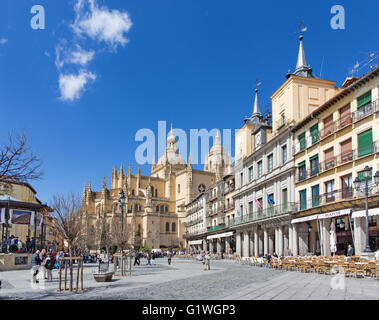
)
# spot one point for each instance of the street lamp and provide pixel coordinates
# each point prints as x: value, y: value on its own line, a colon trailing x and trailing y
x: 358, y: 184
x: 121, y: 201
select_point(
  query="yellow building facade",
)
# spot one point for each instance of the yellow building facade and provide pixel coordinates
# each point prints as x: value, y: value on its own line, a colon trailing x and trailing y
x: 332, y: 146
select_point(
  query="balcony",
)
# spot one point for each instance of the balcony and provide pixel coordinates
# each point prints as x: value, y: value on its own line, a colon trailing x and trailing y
x: 365, y: 111
x: 264, y: 213
x: 327, y: 198
x: 339, y: 160
x: 216, y: 228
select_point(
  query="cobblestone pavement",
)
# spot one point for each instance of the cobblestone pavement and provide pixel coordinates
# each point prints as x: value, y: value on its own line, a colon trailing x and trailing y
x: 186, y: 280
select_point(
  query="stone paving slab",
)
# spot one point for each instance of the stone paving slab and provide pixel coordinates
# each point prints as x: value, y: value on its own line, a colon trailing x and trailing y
x: 186, y: 280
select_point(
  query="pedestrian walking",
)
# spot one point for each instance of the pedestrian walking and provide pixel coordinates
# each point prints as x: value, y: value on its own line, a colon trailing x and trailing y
x: 207, y: 261
x: 43, y: 257
x: 153, y: 258
x: 36, y: 263
x: 49, y: 265
x: 169, y: 257
x: 149, y: 258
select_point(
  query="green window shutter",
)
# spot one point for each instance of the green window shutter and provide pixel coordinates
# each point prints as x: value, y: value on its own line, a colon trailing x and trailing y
x: 365, y: 145
x: 364, y: 99
x: 302, y: 141
x: 314, y: 157
x: 301, y: 164
x: 303, y: 199
x: 362, y: 177
x: 314, y: 133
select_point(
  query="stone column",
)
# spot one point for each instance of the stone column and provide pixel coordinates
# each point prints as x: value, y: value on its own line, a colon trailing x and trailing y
x: 205, y: 245
x: 251, y: 245
x: 290, y: 238
x: 270, y: 242
x: 359, y: 235
x: 256, y: 243
x: 265, y: 241
x: 211, y: 246
x: 238, y: 243
x: 219, y: 245
x: 227, y: 244
x: 246, y: 243
x: 326, y: 235
x: 295, y: 251
x: 280, y: 242
x: 276, y: 240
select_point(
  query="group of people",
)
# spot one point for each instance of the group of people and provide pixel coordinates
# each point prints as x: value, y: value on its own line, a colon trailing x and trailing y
x: 150, y: 257
x: 43, y: 263
x: 15, y: 245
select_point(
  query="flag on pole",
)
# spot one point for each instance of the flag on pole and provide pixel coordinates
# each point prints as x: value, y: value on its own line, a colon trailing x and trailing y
x: 258, y: 203
x: 238, y: 212
x: 40, y: 223
x: 269, y: 200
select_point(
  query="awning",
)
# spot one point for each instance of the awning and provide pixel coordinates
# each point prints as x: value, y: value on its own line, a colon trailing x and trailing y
x: 334, y: 214
x: 195, y: 242
x: 362, y: 213
x: 304, y: 219
x: 221, y: 235
x: 327, y: 215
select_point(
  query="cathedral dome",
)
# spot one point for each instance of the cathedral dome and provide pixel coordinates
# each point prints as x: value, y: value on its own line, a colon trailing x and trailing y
x: 171, y: 156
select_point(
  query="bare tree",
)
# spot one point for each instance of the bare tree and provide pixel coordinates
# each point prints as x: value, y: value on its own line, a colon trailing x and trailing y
x: 121, y: 237
x: 17, y: 161
x: 68, y: 212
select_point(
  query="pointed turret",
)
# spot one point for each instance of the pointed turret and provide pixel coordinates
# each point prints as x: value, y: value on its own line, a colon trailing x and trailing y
x: 89, y: 186
x: 104, y: 184
x: 189, y: 167
x: 121, y: 173
x: 256, y: 117
x: 84, y: 193
x: 302, y: 69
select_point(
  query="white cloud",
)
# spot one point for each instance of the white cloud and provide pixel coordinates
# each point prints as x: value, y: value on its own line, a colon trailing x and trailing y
x: 101, y: 24
x: 3, y: 41
x: 72, y: 86
x: 76, y: 56
x: 81, y: 57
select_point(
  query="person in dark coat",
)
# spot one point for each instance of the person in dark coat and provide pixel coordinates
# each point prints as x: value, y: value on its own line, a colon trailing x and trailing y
x: 36, y: 263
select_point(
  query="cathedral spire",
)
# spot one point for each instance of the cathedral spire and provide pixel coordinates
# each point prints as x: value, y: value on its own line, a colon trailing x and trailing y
x: 89, y: 186
x: 84, y: 192
x: 104, y: 184
x: 121, y: 174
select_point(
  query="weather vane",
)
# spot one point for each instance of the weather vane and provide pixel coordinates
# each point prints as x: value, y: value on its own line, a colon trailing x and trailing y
x: 257, y: 84
x: 301, y: 29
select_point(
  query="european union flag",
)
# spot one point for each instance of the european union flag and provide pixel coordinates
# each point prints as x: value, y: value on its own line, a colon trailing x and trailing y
x: 269, y: 200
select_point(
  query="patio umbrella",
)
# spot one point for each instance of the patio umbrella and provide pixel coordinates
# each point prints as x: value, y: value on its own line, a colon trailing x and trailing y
x: 333, y: 238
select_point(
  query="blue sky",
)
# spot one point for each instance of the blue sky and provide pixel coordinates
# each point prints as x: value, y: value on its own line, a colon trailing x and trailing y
x: 193, y: 63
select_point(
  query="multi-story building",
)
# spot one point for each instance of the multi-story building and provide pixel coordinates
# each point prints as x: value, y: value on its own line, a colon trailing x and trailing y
x: 333, y: 144
x: 196, y: 223
x: 264, y: 170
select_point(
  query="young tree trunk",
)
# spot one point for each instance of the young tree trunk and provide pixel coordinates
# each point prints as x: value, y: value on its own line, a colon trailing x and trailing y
x: 71, y: 268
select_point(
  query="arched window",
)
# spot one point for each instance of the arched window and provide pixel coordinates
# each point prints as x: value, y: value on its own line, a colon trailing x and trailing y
x: 162, y: 208
x: 152, y: 190
x: 133, y: 192
x: 178, y: 188
x: 157, y: 209
x: 156, y: 193
x: 167, y: 227
x: 139, y: 229
x: 136, y: 207
x: 173, y: 227
x: 166, y: 209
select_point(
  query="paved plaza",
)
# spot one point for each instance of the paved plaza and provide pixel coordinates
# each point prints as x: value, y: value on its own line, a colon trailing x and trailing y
x: 186, y: 280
